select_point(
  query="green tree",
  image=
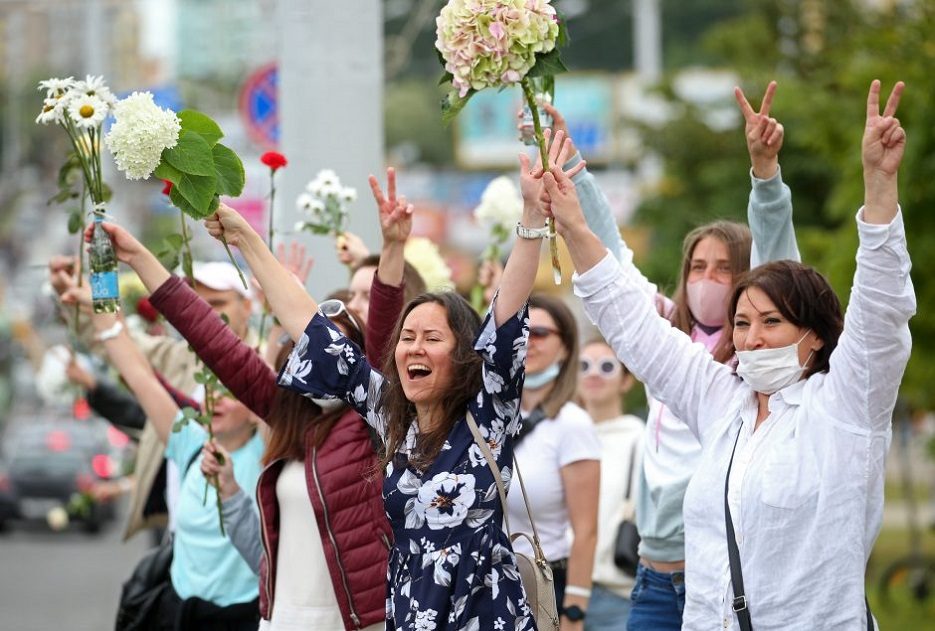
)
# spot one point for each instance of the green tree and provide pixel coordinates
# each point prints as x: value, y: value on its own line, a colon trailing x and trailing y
x: 824, y: 55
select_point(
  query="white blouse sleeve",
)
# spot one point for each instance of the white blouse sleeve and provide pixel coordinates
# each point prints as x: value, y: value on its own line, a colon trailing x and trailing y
x: 681, y: 374
x: 868, y: 364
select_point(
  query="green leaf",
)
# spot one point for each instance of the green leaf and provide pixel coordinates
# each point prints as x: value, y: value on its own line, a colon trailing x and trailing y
x: 175, y: 241
x: 69, y: 173
x: 166, y: 171
x: 189, y: 413
x: 200, y: 378
x: 452, y: 104
x: 191, y: 155
x: 201, y: 124
x: 179, y: 424
x: 229, y: 170
x: 446, y: 78
x: 74, y: 222
x: 169, y: 260
x: 106, y: 192
x: 315, y: 228
x: 225, y: 319
x: 213, y: 206
x: 563, y: 38
x: 197, y: 191
x: 547, y: 64
x: 62, y: 196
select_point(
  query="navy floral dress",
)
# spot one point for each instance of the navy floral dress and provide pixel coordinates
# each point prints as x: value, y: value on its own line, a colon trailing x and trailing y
x: 451, y: 566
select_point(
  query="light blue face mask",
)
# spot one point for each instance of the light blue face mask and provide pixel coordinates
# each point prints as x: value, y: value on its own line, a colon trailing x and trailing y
x: 544, y: 378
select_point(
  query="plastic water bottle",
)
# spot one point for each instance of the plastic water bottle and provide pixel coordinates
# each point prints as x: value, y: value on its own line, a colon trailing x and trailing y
x: 527, y: 131
x: 105, y: 294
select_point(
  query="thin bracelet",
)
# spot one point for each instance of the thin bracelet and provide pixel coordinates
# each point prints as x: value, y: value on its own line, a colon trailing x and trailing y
x: 111, y: 332
x: 574, y: 590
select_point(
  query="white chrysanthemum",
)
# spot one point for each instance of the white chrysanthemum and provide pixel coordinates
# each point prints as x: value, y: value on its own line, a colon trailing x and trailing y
x: 423, y: 255
x: 141, y: 131
x: 349, y: 194
x: 500, y: 203
x: 57, y: 88
x: 309, y: 204
x: 327, y: 176
x: 87, y: 112
x: 329, y: 189
x: 299, y: 226
x: 95, y: 86
x: 53, y: 111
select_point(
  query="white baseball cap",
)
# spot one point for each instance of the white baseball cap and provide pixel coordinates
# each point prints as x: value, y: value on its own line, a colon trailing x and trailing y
x: 220, y: 276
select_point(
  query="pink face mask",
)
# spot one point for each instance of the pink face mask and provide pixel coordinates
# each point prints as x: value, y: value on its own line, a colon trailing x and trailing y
x: 707, y: 301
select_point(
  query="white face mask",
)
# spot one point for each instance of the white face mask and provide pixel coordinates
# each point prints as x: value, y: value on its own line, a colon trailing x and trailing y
x: 769, y: 370
x: 328, y: 404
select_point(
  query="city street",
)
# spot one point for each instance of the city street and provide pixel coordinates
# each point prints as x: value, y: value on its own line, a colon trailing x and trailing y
x: 63, y: 580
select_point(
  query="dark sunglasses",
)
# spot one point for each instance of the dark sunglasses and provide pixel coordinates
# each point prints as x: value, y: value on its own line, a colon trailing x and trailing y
x: 602, y: 368
x: 541, y: 332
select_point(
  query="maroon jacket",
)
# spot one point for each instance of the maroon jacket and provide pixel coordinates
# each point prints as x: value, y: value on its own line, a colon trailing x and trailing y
x: 343, y: 487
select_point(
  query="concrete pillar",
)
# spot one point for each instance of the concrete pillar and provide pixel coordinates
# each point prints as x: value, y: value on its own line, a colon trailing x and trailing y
x: 647, y: 39
x: 331, y: 116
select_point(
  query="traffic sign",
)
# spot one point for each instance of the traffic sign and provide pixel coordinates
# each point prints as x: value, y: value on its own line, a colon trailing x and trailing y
x: 259, y: 105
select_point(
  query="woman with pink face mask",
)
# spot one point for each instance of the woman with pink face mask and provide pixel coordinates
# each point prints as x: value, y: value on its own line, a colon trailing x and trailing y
x: 786, y: 500
x: 714, y: 256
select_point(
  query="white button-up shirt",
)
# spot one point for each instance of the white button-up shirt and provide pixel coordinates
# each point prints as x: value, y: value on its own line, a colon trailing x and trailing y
x: 806, y: 489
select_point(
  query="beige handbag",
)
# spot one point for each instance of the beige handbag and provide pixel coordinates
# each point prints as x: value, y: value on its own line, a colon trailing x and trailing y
x: 536, y: 573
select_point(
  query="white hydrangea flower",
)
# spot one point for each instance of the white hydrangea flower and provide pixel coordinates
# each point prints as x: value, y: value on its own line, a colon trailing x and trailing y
x: 423, y: 255
x: 87, y: 112
x: 141, y: 131
x: 500, y: 203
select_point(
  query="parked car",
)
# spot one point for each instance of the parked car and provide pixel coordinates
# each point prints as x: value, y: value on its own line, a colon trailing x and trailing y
x: 9, y: 508
x: 56, y: 464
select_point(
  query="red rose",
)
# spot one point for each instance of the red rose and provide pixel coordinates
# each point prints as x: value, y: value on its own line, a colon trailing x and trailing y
x: 274, y: 160
x: 167, y: 188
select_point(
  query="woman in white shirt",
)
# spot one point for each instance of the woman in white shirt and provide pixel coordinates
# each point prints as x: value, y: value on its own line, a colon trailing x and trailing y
x: 558, y: 454
x: 602, y: 383
x: 794, y: 442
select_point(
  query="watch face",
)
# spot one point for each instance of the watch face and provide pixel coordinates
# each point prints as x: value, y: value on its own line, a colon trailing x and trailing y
x: 573, y: 613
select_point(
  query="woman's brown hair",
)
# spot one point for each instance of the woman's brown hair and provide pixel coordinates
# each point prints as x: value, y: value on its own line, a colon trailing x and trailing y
x: 804, y: 297
x: 465, y: 382
x: 293, y: 418
x: 737, y: 238
x: 566, y: 383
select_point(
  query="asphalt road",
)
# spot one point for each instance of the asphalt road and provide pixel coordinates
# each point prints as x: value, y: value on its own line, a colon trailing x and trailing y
x: 63, y: 580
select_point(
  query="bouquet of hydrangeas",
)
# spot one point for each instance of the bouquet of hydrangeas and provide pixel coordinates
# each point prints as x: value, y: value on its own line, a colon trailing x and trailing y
x: 325, y: 202
x: 497, y: 43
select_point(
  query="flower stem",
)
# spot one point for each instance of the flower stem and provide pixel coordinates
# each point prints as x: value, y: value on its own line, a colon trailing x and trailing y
x: 187, y: 252
x: 234, y: 263
x: 530, y: 95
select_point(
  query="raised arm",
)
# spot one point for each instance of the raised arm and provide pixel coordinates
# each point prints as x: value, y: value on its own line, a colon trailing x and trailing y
x: 519, y: 273
x: 868, y: 363
x: 387, y: 288
x: 129, y: 361
x: 682, y: 375
x: 292, y: 305
x: 769, y: 211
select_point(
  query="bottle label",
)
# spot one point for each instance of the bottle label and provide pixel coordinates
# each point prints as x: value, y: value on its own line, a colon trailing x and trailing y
x: 104, y: 286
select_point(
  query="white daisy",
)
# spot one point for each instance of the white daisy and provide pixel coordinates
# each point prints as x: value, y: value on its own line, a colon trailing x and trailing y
x: 304, y: 202
x: 349, y: 194
x: 53, y: 111
x: 57, y: 88
x: 87, y: 112
x: 95, y: 86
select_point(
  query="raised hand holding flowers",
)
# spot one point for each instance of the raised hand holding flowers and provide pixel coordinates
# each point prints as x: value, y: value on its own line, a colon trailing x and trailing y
x: 495, y: 43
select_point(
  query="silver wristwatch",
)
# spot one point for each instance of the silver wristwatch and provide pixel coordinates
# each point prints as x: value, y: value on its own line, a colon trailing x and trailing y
x: 533, y: 233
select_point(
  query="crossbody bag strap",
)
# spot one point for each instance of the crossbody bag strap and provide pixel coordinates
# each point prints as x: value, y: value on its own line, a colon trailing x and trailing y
x: 636, y: 444
x: 492, y: 463
x: 532, y: 522
x: 739, y: 604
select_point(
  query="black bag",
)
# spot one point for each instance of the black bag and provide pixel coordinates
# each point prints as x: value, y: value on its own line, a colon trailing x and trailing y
x: 140, y: 594
x: 627, y: 543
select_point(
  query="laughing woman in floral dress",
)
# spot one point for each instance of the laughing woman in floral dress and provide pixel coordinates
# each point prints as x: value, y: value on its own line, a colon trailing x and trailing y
x: 451, y: 566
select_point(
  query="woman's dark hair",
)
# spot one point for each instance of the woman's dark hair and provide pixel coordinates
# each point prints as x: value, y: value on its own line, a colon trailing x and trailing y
x: 566, y: 383
x: 413, y: 283
x: 293, y: 418
x: 737, y: 238
x: 465, y: 381
x: 803, y: 297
